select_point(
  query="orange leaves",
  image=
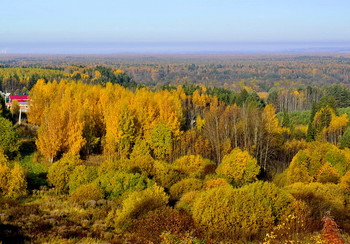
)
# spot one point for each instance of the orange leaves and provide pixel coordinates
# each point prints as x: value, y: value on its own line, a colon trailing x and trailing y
x: 331, y: 232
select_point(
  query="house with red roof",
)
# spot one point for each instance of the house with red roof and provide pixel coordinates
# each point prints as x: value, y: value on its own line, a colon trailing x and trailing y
x: 22, y: 100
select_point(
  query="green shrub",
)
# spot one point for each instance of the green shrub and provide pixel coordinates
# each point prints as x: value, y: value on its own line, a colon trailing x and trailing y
x: 60, y: 171
x: 116, y: 183
x: 8, y: 137
x: 81, y: 175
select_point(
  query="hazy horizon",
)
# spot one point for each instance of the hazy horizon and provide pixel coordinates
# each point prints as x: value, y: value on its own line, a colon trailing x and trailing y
x: 173, y: 47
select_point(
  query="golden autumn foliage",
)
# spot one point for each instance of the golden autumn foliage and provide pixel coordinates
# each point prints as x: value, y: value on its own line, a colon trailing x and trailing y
x: 345, y: 182
x: 140, y: 158
x: 327, y: 174
x: 239, y: 166
x: 184, y: 186
x: 13, y: 182
x: 215, y: 182
x: 136, y: 204
x: 321, y: 162
x: 321, y: 198
x: 81, y: 175
x: 225, y: 213
x: 336, y: 128
x: 75, y: 116
x: 86, y: 192
x: 165, y: 175
x: 194, y: 166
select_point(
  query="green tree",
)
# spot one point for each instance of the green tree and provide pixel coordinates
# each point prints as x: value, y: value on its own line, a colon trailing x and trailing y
x: 81, y: 175
x: 345, y: 140
x: 116, y: 183
x: 8, y: 137
x: 60, y: 171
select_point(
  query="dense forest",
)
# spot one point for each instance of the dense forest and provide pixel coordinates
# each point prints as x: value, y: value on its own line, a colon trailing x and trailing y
x: 102, y: 157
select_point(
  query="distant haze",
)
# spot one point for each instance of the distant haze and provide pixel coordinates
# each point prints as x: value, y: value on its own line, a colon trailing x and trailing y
x: 171, y: 48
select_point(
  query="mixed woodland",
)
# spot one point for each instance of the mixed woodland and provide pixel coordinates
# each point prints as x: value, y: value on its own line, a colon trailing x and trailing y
x: 183, y: 150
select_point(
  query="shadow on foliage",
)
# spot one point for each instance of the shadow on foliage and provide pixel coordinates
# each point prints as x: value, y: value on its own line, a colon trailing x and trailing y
x: 10, y: 234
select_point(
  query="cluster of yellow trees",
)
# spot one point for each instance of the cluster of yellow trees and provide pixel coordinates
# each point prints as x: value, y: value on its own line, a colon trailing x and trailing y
x: 199, y: 154
x: 75, y: 117
x: 13, y: 182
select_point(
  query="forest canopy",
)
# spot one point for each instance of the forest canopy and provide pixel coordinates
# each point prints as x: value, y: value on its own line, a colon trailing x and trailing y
x: 103, y: 157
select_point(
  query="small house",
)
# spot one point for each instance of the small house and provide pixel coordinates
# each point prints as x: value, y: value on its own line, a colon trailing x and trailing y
x: 23, y: 102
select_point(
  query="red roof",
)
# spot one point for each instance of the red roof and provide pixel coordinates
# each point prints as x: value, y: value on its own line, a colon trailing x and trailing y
x: 19, y: 98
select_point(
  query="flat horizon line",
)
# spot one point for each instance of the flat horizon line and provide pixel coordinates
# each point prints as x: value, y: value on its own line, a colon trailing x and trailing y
x: 173, y: 47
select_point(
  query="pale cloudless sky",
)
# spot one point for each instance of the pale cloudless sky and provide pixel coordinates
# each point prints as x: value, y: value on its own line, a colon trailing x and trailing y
x: 33, y: 21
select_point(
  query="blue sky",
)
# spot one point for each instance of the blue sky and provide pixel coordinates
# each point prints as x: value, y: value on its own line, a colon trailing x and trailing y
x: 67, y: 21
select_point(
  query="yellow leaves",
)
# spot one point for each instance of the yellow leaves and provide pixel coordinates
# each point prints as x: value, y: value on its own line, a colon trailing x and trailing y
x: 97, y: 74
x: 5, y: 172
x: 15, y: 107
x: 12, y: 181
x: 194, y: 165
x: 200, y: 122
x: 73, y: 115
x: 239, y: 166
x: 17, y: 185
x: 136, y: 204
x: 184, y: 186
x: 216, y: 182
x: 345, y: 183
x: 269, y: 119
x: 322, y: 162
x: 327, y: 174
x: 336, y: 128
x: 224, y: 213
x: 323, y: 118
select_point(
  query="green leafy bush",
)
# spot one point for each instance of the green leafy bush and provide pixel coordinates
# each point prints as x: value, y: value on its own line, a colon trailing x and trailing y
x: 116, y: 183
x: 60, y: 171
x: 81, y: 175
